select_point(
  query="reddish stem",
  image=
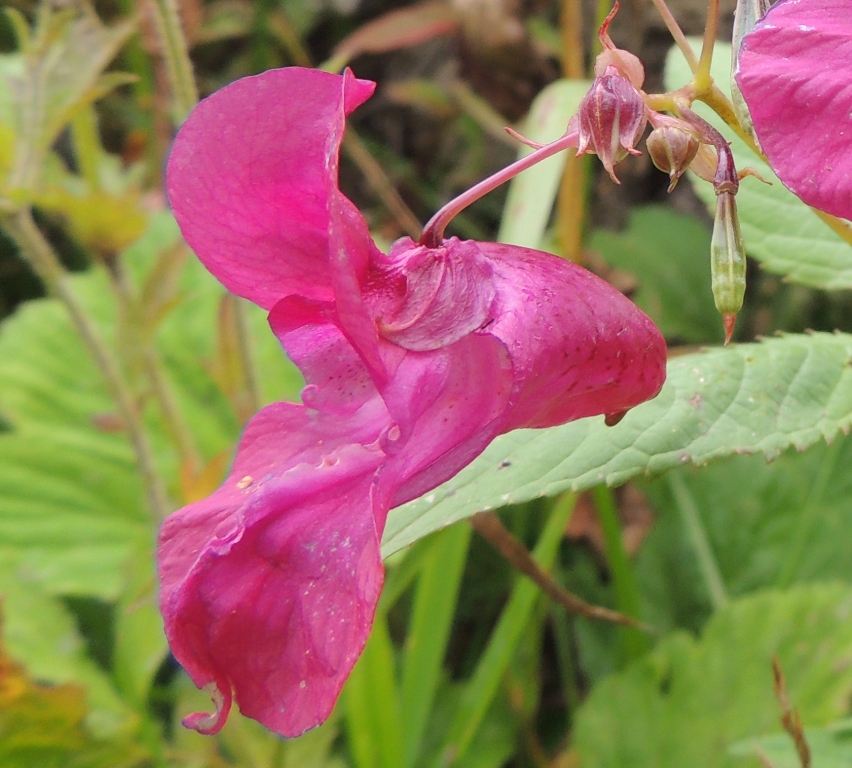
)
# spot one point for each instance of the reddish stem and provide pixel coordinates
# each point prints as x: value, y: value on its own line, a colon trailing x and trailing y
x: 433, y: 232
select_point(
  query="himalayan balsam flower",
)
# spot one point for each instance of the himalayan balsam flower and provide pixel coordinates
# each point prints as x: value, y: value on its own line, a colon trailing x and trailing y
x: 613, y: 115
x: 795, y: 74
x: 414, y: 361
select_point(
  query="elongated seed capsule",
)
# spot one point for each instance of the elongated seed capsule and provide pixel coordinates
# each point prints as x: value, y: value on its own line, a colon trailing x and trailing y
x: 727, y: 261
x: 727, y: 249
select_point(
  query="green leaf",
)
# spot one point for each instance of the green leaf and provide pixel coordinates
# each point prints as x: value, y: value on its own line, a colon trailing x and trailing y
x: 43, y: 726
x: 780, y: 231
x: 41, y: 634
x: 750, y: 398
x: 140, y: 643
x: 70, y: 509
x: 479, y: 692
x: 373, y: 715
x: 531, y: 194
x: 831, y: 747
x: 64, y: 57
x: 690, y: 700
x: 428, y: 632
x: 765, y: 525
x: 72, y: 516
x: 668, y: 253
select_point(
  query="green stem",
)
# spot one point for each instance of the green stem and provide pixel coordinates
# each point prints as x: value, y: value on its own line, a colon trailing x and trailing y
x: 478, y: 693
x: 279, y: 753
x: 153, y: 365
x: 703, y: 79
x: 87, y: 145
x: 809, y: 516
x: 176, y: 55
x: 677, y: 34
x: 571, y: 27
x: 491, y: 528
x: 627, y: 597
x: 356, y: 150
x: 691, y: 517
x: 559, y: 622
x: 39, y: 254
x: 136, y: 60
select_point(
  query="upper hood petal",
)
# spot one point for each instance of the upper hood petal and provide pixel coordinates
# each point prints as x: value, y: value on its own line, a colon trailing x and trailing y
x: 251, y: 177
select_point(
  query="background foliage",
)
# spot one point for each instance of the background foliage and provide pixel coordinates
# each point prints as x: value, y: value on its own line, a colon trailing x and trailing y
x: 726, y: 534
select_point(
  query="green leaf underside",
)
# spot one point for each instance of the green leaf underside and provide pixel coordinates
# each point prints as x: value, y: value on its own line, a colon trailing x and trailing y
x: 59, y: 72
x: 751, y: 398
x: 780, y: 231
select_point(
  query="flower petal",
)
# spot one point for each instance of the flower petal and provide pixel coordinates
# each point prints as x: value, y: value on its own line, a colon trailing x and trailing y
x: 448, y: 404
x: 426, y: 298
x: 251, y: 176
x: 338, y: 381
x: 578, y: 346
x: 795, y: 73
x: 269, y: 586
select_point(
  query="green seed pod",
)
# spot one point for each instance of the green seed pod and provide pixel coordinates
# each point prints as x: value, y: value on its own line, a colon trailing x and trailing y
x: 727, y: 261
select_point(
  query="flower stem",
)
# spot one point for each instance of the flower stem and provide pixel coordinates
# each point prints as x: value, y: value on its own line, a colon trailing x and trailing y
x: 153, y: 366
x: 677, y: 34
x: 702, y: 78
x: 378, y: 180
x: 571, y: 27
x: 252, y: 381
x: 39, y: 254
x: 433, y: 232
x: 185, y: 97
x: 726, y: 179
x: 176, y: 55
x: 571, y: 196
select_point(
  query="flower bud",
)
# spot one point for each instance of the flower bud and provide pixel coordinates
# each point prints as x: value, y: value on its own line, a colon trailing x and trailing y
x: 672, y: 146
x: 612, y: 118
x: 727, y: 261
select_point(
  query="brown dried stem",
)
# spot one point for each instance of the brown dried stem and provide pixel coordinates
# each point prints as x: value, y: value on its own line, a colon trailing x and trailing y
x: 790, y: 718
x: 489, y: 526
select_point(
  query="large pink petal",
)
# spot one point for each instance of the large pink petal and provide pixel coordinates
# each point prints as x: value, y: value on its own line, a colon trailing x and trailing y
x: 571, y: 345
x: 795, y: 73
x: 252, y: 175
x: 269, y: 586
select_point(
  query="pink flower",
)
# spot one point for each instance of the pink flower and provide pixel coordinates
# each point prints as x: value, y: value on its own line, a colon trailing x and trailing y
x: 613, y: 115
x: 795, y: 73
x: 414, y: 362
